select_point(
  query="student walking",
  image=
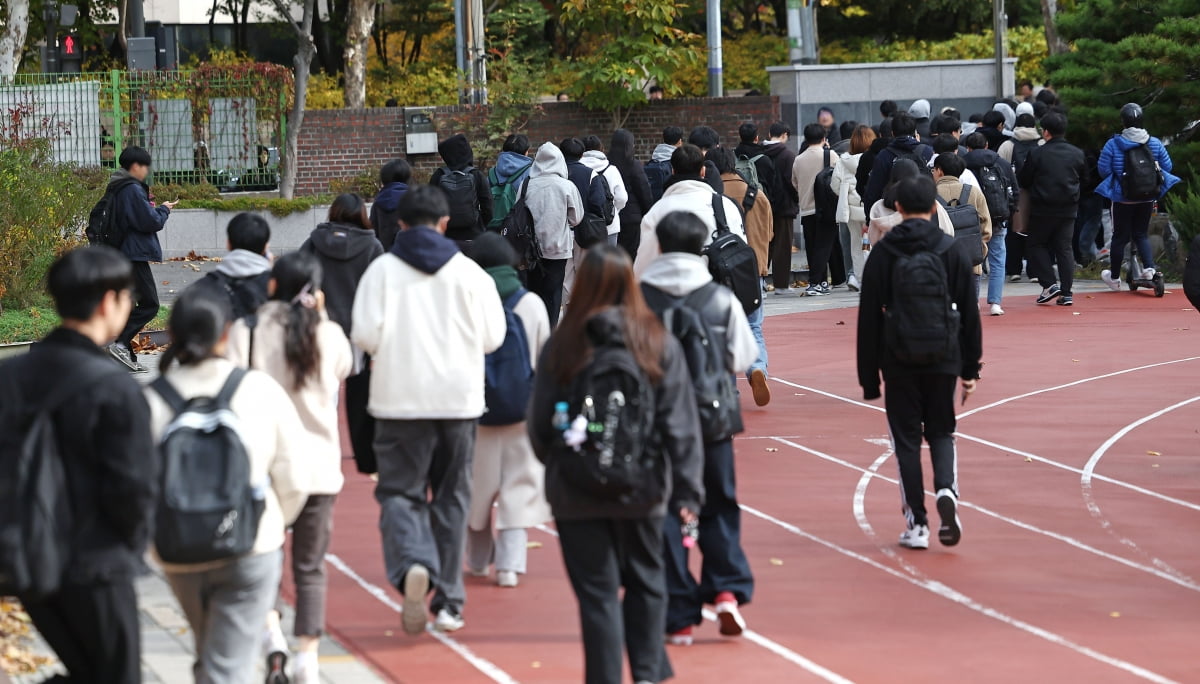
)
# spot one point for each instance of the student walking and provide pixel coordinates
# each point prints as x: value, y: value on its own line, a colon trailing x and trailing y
x: 998, y: 182
x: 620, y: 153
x: 785, y: 206
x: 243, y: 273
x: 557, y: 208
x: 851, y: 215
x: 394, y: 177
x: 612, y: 535
x: 467, y: 192
x: 918, y: 325
x: 505, y: 474
x: 87, y: 611
x: 292, y: 340
x: 427, y: 315
x: 225, y: 597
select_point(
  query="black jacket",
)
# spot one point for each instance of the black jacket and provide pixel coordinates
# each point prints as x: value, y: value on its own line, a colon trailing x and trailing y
x: 713, y: 177
x: 881, y: 169
x: 785, y: 203
x: 345, y: 252
x: 111, y: 463
x: 1191, y: 274
x: 768, y: 178
x: 1053, y: 175
x: 863, y: 175
x: 995, y: 137
x: 677, y: 423
x: 141, y: 221
x: 640, y: 198
x: 456, y: 152
x: 587, y: 182
x: 385, y: 213
x: 977, y: 159
x: 909, y: 237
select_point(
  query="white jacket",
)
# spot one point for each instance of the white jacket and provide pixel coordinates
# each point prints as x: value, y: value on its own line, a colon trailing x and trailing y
x: 316, y: 401
x: 691, y: 196
x: 598, y: 162
x: 427, y: 335
x: 271, y: 433
x: 850, y: 206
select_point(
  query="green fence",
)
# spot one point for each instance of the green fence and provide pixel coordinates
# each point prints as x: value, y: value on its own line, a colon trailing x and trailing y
x: 211, y: 125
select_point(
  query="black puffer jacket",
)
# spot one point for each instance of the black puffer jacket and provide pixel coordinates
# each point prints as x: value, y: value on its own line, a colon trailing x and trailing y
x: 1053, y: 175
x: 345, y: 252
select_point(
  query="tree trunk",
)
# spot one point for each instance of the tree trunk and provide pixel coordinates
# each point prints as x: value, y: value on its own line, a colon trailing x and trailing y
x: 12, y: 41
x: 1053, y: 43
x: 302, y: 63
x: 358, y: 35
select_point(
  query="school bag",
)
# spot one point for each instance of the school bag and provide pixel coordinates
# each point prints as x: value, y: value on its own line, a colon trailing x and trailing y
x: 507, y: 372
x: 36, y: 521
x: 687, y: 319
x: 921, y: 323
x: 593, y: 228
x: 619, y: 458
x: 208, y: 507
x: 915, y: 157
x: 245, y: 295
x: 519, y: 229
x: 997, y: 191
x: 459, y: 186
x: 658, y: 173
x: 504, y: 194
x: 103, y: 227
x: 965, y: 220
x: 747, y: 169
x: 826, y: 199
x: 732, y: 262
x: 1141, y: 179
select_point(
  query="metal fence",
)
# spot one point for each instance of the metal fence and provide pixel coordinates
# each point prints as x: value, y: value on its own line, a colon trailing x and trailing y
x: 199, y: 126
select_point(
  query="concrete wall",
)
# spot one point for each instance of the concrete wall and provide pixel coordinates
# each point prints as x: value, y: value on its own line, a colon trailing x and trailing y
x: 854, y: 91
x: 203, y: 231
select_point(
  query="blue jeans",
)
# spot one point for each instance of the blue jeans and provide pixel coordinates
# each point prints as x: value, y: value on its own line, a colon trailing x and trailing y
x: 997, y: 253
x: 756, y: 322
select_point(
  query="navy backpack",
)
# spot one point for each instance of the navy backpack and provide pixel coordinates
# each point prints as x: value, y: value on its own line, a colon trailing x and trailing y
x: 508, y: 373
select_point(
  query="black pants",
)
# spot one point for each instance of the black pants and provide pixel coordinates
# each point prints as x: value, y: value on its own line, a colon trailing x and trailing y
x: 93, y: 629
x: 601, y: 557
x: 818, y: 242
x: 917, y: 405
x: 1131, y: 222
x: 360, y: 423
x: 725, y: 567
x: 145, y: 304
x: 547, y: 283
x: 837, y: 261
x: 781, y: 252
x: 1051, y: 236
x: 630, y: 237
x: 1014, y: 256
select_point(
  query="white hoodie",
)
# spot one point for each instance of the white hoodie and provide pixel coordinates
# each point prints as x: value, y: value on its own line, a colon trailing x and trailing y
x: 691, y: 196
x: 554, y: 202
x: 598, y: 162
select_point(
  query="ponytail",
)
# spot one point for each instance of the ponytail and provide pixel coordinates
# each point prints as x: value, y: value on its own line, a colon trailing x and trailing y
x: 297, y: 279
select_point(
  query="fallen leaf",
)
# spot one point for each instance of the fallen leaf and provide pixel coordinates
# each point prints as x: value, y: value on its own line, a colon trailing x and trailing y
x: 1076, y: 313
x: 533, y: 545
x: 1114, y: 614
x: 776, y: 561
x: 166, y: 282
x: 1074, y: 360
x: 1090, y: 297
x: 194, y: 267
x: 1153, y: 453
x: 536, y: 664
x: 388, y: 633
x: 1028, y: 460
x: 841, y: 322
x: 771, y: 450
x: 1154, y: 466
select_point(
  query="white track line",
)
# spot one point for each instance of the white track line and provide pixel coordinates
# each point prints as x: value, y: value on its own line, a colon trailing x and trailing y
x: 946, y: 592
x: 994, y: 404
x: 487, y: 667
x: 760, y: 640
x: 1017, y: 452
x: 1182, y: 581
x: 1085, y: 485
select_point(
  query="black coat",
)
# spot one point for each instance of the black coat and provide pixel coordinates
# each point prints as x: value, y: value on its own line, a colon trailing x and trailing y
x: 456, y: 152
x: 1053, y: 175
x: 345, y: 252
x: 638, y: 186
x: 881, y: 168
x: 785, y: 203
x: 768, y: 177
x: 111, y: 463
x: 1191, y: 274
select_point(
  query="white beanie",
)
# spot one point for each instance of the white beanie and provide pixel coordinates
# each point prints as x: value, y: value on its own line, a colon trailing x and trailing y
x: 1025, y: 108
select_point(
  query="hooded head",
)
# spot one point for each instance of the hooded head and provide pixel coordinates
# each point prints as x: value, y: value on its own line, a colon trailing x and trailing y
x: 1010, y: 117
x: 1131, y: 116
x: 549, y: 161
x: 456, y: 152
x: 919, y: 109
x: 1024, y: 108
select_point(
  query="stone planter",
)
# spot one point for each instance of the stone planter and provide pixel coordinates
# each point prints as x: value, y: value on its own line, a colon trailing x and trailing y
x: 203, y: 231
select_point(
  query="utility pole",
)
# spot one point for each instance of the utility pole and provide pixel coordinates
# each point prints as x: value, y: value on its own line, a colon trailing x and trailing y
x: 460, y: 45
x: 1000, y: 31
x: 802, y: 31
x: 469, y: 50
x: 135, y: 20
x: 716, y: 84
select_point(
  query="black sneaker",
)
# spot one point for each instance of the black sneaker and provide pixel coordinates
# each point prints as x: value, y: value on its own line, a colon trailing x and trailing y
x: 1065, y: 300
x: 1049, y: 293
x: 125, y: 358
x: 950, y: 531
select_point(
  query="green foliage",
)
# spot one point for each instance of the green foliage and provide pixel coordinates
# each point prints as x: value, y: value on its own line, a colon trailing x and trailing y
x: 746, y: 58
x: 888, y: 20
x: 277, y: 206
x: 32, y: 323
x: 168, y: 192
x: 517, y: 28
x: 365, y: 184
x: 1184, y: 208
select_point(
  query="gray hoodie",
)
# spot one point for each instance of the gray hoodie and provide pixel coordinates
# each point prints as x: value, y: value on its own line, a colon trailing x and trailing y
x: 1010, y: 117
x: 554, y: 202
x: 662, y: 153
x: 241, y: 263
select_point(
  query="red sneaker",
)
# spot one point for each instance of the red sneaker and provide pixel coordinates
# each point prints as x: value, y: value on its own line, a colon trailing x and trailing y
x: 732, y: 623
x: 681, y: 638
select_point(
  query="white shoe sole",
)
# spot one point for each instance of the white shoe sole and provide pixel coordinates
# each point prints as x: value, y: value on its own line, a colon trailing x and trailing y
x: 447, y: 626
x: 950, y: 532
x: 416, y: 586
x: 917, y: 545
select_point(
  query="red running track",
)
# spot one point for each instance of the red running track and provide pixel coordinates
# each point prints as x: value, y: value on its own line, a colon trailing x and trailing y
x: 1081, y: 508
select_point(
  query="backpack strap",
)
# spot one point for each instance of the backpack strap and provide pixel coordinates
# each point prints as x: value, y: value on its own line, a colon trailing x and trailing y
x: 230, y: 387
x: 169, y: 394
x: 702, y: 296
x: 718, y: 205
x: 964, y: 197
x: 251, y: 324
x: 510, y: 302
x: 942, y: 202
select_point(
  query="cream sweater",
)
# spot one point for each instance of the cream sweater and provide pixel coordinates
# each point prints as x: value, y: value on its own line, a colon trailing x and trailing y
x: 316, y: 401
x: 271, y: 432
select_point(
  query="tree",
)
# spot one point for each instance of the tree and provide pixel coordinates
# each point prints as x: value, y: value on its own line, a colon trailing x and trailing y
x: 306, y: 49
x: 1054, y: 44
x: 358, y: 33
x: 12, y: 41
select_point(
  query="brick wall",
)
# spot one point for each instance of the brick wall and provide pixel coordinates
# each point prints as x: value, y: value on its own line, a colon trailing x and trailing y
x: 337, y: 143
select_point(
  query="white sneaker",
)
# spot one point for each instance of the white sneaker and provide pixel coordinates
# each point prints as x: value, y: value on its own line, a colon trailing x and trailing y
x: 996, y: 310
x: 506, y: 578
x: 951, y: 530
x: 1148, y: 274
x: 1112, y: 283
x: 915, y: 537
x: 305, y: 669
x: 448, y: 621
x: 416, y: 586
x: 852, y: 283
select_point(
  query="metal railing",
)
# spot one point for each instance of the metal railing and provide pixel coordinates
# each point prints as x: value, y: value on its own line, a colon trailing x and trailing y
x: 200, y: 126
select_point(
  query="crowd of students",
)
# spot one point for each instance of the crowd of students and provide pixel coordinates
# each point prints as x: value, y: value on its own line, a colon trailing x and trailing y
x: 591, y: 385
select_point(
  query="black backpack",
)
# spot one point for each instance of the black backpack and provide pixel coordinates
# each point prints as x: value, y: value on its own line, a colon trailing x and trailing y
x: 1141, y: 179
x: 732, y: 262
x: 687, y: 318
x: 921, y: 323
x: 997, y: 191
x: 245, y: 295
x: 915, y: 157
x: 208, y: 508
x: 459, y: 187
x: 965, y: 220
x: 508, y: 372
x: 593, y: 228
x: 36, y: 521
x: 658, y: 173
x: 519, y: 228
x: 102, y: 227
x: 619, y: 459
x: 826, y: 199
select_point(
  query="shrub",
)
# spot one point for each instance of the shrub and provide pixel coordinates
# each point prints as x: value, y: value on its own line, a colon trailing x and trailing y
x: 366, y: 184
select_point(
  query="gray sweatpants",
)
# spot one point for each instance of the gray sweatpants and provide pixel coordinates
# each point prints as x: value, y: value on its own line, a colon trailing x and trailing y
x: 424, y: 493
x: 227, y: 608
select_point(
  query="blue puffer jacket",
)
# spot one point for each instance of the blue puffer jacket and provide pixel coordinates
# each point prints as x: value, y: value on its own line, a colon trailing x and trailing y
x: 1112, y: 162
x: 142, y: 222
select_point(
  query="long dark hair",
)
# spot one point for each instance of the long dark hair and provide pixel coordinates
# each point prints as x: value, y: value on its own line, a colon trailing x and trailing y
x: 621, y: 156
x: 297, y: 279
x: 605, y: 280
x: 199, y: 319
x: 350, y: 209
